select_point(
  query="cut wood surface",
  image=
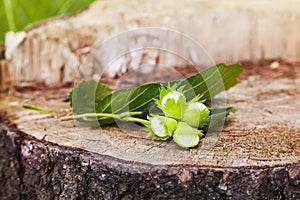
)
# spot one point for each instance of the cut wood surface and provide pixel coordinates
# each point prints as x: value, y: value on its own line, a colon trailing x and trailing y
x: 263, y: 132
x: 255, y: 156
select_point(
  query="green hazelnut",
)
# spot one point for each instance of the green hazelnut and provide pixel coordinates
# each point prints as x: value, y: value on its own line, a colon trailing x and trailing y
x: 173, y: 104
x: 186, y: 136
x: 196, y: 114
x: 162, y: 126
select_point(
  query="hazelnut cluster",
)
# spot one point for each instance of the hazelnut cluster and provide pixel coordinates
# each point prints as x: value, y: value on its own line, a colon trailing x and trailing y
x: 181, y: 120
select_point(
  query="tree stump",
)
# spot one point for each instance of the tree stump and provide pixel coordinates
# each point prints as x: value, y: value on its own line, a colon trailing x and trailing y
x: 256, y: 156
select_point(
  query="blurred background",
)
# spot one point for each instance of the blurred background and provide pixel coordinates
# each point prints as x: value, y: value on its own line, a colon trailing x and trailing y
x: 16, y: 15
x: 59, y: 50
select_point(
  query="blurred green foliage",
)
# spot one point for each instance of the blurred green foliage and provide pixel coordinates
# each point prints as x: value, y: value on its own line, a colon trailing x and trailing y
x: 15, y: 15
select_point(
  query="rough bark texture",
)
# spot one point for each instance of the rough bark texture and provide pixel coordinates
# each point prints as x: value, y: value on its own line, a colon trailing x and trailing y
x: 256, y: 156
x: 32, y: 169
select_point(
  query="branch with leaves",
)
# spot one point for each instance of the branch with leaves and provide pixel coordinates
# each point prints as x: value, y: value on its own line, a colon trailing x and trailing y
x: 183, y: 117
x: 174, y: 110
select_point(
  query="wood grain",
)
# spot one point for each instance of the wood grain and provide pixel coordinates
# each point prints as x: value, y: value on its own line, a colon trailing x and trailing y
x: 255, y: 156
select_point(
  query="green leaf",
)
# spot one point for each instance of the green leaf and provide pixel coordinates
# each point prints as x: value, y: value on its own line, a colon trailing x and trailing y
x: 207, y: 84
x: 85, y: 94
x: 211, y: 81
x: 216, y: 116
x: 128, y: 100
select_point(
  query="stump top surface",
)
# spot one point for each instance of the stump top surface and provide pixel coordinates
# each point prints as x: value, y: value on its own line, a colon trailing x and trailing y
x: 265, y: 131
